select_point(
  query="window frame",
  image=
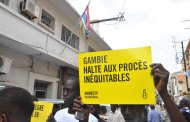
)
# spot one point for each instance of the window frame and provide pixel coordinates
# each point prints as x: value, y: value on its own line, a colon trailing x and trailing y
x: 41, y: 86
x: 51, y: 29
x: 74, y: 41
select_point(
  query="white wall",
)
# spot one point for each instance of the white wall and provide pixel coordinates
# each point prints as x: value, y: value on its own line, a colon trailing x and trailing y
x: 93, y: 45
x: 22, y: 75
x: 24, y: 31
x: 62, y: 20
x: 22, y: 61
x: 59, y: 20
x: 52, y: 89
x: 15, y: 5
x: 32, y: 35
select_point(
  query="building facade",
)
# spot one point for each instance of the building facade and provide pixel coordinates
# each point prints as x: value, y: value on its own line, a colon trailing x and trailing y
x: 176, y: 85
x: 41, y: 39
x: 179, y: 82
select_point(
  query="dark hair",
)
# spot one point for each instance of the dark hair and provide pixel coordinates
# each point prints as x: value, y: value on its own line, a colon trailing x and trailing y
x: 152, y: 107
x: 184, y: 102
x: 114, y: 107
x: 96, y: 106
x: 34, y: 98
x: 16, y: 103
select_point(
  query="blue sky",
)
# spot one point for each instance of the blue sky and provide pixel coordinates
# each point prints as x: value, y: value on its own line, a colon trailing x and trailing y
x: 147, y: 23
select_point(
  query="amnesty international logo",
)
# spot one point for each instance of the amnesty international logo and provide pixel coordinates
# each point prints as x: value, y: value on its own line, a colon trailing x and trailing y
x: 91, y: 94
x: 144, y: 94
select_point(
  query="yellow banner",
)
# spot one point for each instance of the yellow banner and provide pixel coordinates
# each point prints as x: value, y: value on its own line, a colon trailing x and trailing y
x: 41, y: 111
x: 117, y: 77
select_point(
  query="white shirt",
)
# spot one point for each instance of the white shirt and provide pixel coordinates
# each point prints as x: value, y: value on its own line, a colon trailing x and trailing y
x: 157, y: 107
x: 63, y: 116
x: 116, y: 117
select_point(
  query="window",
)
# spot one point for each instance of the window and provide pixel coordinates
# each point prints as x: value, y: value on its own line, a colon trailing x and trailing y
x: 74, y: 40
x: 180, y: 81
x: 40, y: 89
x: 47, y: 19
x: 90, y: 49
x: 6, y: 2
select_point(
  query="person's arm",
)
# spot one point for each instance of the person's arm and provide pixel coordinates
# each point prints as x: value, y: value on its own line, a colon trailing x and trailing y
x: 51, y: 118
x: 160, y: 76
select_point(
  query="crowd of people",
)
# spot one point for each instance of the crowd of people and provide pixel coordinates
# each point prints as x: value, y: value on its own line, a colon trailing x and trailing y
x: 17, y: 105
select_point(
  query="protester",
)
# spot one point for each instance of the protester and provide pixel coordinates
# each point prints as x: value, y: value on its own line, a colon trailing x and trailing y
x: 16, y: 105
x: 115, y: 114
x: 153, y: 115
x: 51, y: 118
x: 185, y: 96
x: 70, y: 92
x: 158, y: 107
x: 184, y: 109
x: 94, y: 110
x: 134, y: 113
x: 164, y: 114
x: 160, y: 77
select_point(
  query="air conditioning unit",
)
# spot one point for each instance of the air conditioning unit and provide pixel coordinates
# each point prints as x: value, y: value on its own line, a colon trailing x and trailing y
x: 5, y: 64
x: 28, y: 7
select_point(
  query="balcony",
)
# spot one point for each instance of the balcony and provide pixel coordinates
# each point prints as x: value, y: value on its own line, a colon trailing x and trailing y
x: 21, y: 34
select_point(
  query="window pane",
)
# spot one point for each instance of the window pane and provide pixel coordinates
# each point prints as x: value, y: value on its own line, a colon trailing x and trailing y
x: 74, y: 39
x: 47, y: 19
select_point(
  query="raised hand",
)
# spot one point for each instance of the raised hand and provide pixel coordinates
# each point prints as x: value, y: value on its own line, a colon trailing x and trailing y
x: 160, y: 75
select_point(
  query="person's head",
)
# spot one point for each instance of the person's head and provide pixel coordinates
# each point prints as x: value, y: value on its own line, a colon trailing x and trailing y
x: 70, y: 90
x: 163, y: 107
x: 94, y: 108
x: 16, y: 105
x: 152, y: 107
x: 114, y: 107
x: 184, y: 103
x: 134, y: 113
x: 34, y: 98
